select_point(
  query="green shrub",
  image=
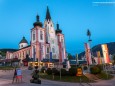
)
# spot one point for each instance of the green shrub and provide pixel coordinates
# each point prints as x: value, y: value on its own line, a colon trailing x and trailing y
x: 55, y: 71
x: 63, y: 72
x: 95, y: 70
x: 49, y: 71
x: 100, y: 67
x: 43, y: 70
x: 72, y: 71
x: 73, y: 66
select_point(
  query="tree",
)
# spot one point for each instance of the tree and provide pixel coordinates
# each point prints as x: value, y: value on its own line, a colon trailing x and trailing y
x: 113, y: 57
x: 69, y: 56
x: 89, y: 34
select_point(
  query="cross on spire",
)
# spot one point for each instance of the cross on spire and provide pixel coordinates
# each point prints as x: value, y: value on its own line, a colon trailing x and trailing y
x: 37, y: 18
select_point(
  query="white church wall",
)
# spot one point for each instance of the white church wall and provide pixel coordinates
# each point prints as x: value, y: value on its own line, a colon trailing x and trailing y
x: 22, y: 45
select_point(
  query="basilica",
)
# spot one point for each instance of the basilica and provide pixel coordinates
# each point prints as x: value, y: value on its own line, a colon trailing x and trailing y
x: 47, y: 42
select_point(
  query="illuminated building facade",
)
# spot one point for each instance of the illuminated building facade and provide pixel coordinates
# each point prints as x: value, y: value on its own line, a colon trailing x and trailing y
x: 46, y: 42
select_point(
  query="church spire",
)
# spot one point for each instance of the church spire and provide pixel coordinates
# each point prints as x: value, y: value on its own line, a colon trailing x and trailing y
x: 48, y: 14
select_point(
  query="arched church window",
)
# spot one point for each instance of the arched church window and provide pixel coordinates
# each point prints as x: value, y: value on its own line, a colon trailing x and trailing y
x: 41, y: 35
x: 33, y: 35
x: 52, y: 41
x: 47, y: 49
x: 62, y: 40
x: 23, y: 54
x: 53, y: 50
x: 29, y: 52
x: 21, y: 46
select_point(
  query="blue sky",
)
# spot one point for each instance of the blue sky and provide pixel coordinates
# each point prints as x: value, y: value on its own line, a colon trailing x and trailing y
x: 74, y: 16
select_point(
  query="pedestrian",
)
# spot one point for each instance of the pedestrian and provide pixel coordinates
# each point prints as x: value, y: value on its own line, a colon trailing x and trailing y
x: 14, y: 77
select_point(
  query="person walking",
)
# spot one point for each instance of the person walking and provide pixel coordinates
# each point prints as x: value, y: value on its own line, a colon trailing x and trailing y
x: 14, y: 77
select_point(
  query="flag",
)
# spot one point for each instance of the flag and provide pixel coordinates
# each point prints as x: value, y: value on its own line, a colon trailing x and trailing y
x: 99, y: 58
x: 105, y: 53
x: 88, y: 53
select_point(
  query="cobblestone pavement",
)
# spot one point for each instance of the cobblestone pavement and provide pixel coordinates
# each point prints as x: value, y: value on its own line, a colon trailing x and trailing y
x: 6, y: 80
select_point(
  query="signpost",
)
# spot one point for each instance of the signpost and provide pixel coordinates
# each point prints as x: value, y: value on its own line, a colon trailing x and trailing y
x: 79, y: 73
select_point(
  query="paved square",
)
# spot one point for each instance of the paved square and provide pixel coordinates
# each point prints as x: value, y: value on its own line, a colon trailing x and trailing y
x: 6, y: 80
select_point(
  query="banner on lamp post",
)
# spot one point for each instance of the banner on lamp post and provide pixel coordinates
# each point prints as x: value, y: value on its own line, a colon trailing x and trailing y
x: 105, y: 53
x: 88, y: 54
x: 99, y: 61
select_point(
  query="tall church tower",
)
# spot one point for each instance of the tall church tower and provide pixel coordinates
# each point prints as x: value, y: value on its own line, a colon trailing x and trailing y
x: 61, y: 44
x: 38, y: 41
x: 51, y: 38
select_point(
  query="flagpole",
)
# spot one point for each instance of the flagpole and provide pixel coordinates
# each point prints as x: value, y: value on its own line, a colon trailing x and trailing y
x: 77, y: 62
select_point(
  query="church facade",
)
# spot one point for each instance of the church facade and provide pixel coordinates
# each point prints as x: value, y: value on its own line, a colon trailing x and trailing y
x: 46, y: 42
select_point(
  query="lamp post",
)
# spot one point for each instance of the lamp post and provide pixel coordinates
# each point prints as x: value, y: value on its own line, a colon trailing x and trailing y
x: 91, y: 51
x: 60, y: 69
x: 77, y: 62
x: 89, y: 40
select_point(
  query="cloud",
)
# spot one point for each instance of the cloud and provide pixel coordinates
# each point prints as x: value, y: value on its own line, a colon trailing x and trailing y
x: 103, y: 3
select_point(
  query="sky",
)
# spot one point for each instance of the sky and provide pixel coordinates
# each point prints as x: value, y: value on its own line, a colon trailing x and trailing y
x: 74, y: 16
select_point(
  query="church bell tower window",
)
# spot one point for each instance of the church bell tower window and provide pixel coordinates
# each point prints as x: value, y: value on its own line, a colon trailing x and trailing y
x: 53, y: 50
x: 33, y: 36
x: 41, y: 35
x: 47, y: 50
x: 21, y: 46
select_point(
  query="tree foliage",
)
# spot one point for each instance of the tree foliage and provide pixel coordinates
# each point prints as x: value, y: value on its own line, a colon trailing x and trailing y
x: 113, y: 58
x: 70, y: 56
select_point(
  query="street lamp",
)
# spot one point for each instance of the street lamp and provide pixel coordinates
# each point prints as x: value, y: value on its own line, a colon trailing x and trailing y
x: 60, y: 69
x: 89, y: 40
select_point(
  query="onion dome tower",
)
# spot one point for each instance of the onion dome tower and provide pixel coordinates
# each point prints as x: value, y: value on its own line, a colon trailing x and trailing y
x: 38, y: 23
x: 58, y: 30
x: 23, y: 43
